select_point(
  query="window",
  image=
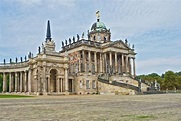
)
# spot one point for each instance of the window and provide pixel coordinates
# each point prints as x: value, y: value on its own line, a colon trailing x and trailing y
x: 93, y: 84
x: 80, y: 84
x: 87, y: 84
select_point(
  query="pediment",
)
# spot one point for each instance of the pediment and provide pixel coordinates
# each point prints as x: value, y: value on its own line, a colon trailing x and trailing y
x: 119, y: 44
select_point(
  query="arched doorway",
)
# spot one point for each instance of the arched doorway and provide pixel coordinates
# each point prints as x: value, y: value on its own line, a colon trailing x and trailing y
x: 52, y: 85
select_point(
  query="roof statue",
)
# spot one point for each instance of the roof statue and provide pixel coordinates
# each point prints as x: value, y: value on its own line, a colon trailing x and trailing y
x: 78, y: 37
x: 25, y: 58
x: 62, y: 44
x: 73, y: 39
x: 69, y: 41
x: 66, y: 42
x: 97, y: 14
x: 10, y: 60
x: 83, y: 35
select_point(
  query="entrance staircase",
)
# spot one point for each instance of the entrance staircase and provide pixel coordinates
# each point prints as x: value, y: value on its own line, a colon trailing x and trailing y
x: 105, y: 79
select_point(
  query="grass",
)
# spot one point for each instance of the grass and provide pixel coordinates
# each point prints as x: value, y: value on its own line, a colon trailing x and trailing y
x: 13, y: 96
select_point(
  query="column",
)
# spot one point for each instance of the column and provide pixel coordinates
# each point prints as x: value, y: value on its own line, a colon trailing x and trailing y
x: 126, y: 64
x: 25, y: 82
x: 134, y: 68
x: 61, y: 82
x: 83, y: 60
x: 95, y: 61
x: 4, y: 83
x: 66, y: 80
x: 58, y: 84
x: 101, y: 63
x: 79, y: 61
x: 110, y: 58
x: 10, y: 82
x: 116, y: 64
x: 39, y: 79
x: 122, y: 63
x: 16, y: 82
x: 105, y: 63
x: 29, y: 81
x: 44, y: 80
x: 129, y: 61
x: 21, y: 82
x: 110, y: 67
x: 49, y: 87
x: 89, y: 58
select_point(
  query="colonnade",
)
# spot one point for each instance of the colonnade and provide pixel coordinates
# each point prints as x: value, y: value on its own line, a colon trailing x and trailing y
x: 108, y: 62
x: 16, y: 81
x: 26, y: 81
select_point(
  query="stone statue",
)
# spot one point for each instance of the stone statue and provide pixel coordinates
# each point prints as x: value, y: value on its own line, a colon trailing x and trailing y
x: 4, y: 61
x: 21, y: 59
x: 94, y: 37
x: 39, y: 49
x: 83, y: 35
x: 88, y: 36
x: 126, y: 41
x: 29, y: 55
x: 133, y: 46
x: 69, y: 41
x: 10, y: 60
x: 73, y: 39
x: 62, y: 44
x: 25, y: 58
x: 66, y: 42
x: 44, y: 50
x: 78, y: 37
x: 16, y: 60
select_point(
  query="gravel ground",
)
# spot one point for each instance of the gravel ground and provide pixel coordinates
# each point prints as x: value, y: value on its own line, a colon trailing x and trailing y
x: 162, y: 107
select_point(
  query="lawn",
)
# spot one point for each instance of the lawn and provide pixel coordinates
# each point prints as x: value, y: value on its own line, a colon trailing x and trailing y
x: 13, y: 96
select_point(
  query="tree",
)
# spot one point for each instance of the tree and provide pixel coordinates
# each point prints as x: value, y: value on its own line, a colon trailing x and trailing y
x: 171, y: 80
x: 179, y: 82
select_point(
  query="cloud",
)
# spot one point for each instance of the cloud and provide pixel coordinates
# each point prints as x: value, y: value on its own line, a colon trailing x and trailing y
x: 48, y: 3
x: 158, y: 65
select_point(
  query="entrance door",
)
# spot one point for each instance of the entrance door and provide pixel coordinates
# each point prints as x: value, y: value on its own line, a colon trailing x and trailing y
x: 70, y: 85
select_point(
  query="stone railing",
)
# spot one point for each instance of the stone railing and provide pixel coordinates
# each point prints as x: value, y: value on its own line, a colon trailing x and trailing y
x: 115, y: 83
x: 13, y: 65
x: 82, y: 41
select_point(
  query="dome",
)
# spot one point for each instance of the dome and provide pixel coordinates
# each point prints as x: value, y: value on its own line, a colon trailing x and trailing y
x: 98, y: 26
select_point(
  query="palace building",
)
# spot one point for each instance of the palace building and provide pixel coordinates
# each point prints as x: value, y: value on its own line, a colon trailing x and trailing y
x: 85, y: 65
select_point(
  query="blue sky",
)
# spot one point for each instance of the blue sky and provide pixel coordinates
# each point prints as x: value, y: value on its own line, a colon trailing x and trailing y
x: 153, y: 26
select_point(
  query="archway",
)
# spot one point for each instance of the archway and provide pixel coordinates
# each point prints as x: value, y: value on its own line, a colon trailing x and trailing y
x: 52, y: 85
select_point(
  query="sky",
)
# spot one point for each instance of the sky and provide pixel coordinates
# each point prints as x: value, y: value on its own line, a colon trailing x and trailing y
x: 153, y: 26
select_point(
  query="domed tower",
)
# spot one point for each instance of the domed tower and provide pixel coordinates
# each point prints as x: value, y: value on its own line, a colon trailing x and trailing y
x: 99, y: 32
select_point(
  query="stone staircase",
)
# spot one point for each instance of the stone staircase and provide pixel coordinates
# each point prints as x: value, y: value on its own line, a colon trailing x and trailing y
x: 105, y: 79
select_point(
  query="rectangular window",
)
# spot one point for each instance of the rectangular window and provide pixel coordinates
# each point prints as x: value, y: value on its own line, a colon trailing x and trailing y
x: 80, y: 84
x: 93, y: 84
x: 87, y: 84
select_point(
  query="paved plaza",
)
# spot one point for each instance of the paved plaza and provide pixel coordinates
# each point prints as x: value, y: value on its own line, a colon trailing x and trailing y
x: 162, y: 107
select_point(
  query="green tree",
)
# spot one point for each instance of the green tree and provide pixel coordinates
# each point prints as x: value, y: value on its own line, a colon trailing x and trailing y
x: 171, y: 80
x: 179, y: 82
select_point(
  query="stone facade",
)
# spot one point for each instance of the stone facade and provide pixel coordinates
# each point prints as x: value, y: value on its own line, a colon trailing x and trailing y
x: 82, y: 66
